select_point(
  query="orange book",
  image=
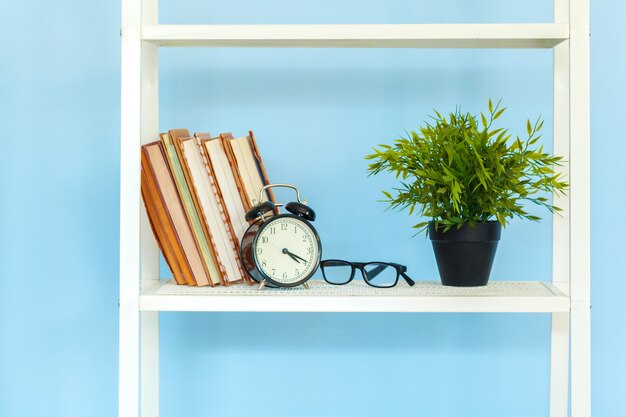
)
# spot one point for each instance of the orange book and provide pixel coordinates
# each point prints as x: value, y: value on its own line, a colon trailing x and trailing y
x: 164, y: 237
x: 158, y: 173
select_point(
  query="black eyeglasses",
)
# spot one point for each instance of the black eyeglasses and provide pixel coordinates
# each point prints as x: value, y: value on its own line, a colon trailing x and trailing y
x: 376, y: 274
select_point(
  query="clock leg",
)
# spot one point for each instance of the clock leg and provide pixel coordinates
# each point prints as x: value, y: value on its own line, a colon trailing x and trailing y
x: 261, y: 285
x: 305, y: 285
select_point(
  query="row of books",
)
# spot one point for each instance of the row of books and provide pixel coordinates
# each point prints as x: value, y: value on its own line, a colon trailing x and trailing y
x: 196, y: 190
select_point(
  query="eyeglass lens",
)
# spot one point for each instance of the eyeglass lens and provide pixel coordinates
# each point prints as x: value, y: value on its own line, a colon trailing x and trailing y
x: 337, y: 272
x: 380, y: 275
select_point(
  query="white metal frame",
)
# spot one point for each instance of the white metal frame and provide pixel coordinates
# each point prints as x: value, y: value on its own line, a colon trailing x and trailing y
x: 567, y: 298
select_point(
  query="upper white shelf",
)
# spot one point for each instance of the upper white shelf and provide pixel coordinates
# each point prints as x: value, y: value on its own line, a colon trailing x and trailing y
x: 533, y: 35
x: 498, y: 296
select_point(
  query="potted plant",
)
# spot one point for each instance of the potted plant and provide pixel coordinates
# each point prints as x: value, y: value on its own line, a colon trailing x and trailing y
x: 470, y: 179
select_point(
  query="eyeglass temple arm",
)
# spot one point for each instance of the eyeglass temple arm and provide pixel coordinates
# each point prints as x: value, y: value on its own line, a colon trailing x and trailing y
x: 374, y: 272
x: 380, y: 268
x: 407, y: 279
x: 402, y: 270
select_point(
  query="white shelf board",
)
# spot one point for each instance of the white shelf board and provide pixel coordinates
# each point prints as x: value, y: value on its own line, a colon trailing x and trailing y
x: 498, y: 296
x: 518, y: 35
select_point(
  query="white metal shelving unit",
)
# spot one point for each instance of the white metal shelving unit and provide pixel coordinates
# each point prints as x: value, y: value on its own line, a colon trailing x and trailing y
x: 566, y: 298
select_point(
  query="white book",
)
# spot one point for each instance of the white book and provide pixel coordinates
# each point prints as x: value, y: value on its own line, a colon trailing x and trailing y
x: 218, y: 160
x: 213, y: 211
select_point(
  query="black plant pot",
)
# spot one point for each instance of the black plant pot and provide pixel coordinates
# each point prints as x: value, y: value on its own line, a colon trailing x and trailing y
x: 465, y: 256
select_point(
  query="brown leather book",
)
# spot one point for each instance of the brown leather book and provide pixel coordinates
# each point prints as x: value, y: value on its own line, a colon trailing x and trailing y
x: 250, y: 174
x: 165, y: 237
x: 158, y: 171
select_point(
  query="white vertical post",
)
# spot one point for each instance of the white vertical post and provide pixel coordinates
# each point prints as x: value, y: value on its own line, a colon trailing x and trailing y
x: 149, y: 370
x: 580, y: 210
x: 559, y: 343
x: 149, y: 364
x: 561, y: 111
x: 129, y: 209
x: 559, y: 365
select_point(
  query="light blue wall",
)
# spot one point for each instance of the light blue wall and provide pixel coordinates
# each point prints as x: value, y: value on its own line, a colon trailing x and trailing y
x: 315, y: 113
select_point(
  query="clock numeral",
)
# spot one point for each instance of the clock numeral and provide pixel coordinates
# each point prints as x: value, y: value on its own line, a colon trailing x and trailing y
x: 309, y: 250
x: 273, y: 271
x: 285, y: 275
x: 297, y: 272
x: 264, y: 263
x: 304, y: 238
x: 264, y: 239
x: 272, y: 230
x: 295, y: 229
x: 283, y: 226
x: 259, y: 251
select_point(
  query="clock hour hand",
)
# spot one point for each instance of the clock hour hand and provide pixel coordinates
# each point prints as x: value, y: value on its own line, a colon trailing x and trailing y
x: 291, y: 255
x: 302, y: 259
x: 294, y: 256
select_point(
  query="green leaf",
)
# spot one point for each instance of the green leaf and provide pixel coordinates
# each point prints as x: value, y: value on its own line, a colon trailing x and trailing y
x: 540, y: 126
x: 455, y: 171
x: 498, y: 113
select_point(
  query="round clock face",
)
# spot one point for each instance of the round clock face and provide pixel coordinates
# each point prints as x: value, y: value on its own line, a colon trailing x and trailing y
x: 287, y: 250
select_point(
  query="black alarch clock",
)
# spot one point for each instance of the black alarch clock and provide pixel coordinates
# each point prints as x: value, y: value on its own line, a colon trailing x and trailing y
x: 281, y: 250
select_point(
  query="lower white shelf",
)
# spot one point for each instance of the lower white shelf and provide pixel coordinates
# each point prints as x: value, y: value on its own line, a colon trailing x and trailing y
x: 498, y: 296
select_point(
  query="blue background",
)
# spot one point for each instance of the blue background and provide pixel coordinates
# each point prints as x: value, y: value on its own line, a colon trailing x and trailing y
x: 315, y: 113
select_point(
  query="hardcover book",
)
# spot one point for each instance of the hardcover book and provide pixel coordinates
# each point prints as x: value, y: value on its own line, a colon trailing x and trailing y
x: 162, y: 188
x: 211, y: 207
x: 190, y: 204
x: 247, y: 165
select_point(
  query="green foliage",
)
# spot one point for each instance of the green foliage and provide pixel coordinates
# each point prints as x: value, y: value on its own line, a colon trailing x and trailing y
x: 457, y: 170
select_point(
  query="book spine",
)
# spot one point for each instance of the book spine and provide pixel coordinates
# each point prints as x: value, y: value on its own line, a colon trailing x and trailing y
x: 234, y: 166
x: 260, y: 165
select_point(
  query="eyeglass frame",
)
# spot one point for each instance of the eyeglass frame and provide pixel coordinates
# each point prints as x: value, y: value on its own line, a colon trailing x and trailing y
x: 400, y: 271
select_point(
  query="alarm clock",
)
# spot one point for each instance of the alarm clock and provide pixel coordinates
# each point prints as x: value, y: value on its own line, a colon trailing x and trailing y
x: 281, y: 250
